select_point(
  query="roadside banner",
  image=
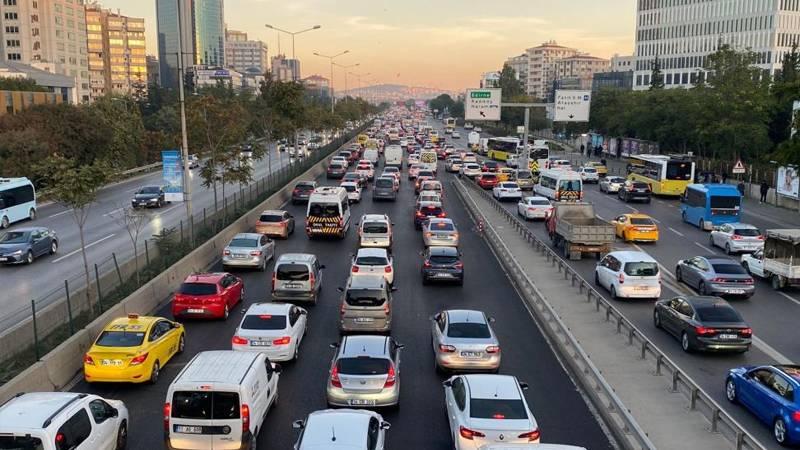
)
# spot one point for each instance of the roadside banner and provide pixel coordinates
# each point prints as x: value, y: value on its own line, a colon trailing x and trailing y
x: 172, y: 174
x: 788, y: 182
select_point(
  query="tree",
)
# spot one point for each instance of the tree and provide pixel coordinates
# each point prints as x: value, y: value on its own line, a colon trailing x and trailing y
x: 21, y: 84
x: 510, y: 84
x: 441, y: 104
x: 75, y: 186
x: 656, y: 77
x: 785, y: 90
x: 133, y: 221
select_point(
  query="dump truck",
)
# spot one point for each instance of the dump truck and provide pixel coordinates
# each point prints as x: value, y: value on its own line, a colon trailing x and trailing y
x: 574, y: 228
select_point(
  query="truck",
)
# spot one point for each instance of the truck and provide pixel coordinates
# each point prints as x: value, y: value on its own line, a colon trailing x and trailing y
x: 775, y: 262
x: 473, y: 141
x: 574, y: 228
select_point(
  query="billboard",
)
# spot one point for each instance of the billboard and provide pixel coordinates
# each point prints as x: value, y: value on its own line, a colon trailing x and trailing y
x: 788, y: 182
x: 482, y: 104
x: 172, y: 175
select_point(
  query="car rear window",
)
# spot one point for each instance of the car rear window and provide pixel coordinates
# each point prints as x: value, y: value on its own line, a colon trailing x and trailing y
x: 197, y: 289
x: 747, y: 232
x: 641, y: 221
x: 732, y: 269
x: 641, y: 186
x: 371, y: 261
x: 431, y: 210
x: 442, y: 226
x: 263, y: 322
x: 20, y: 443
x: 271, y: 218
x: 589, y: 169
x: 337, y: 166
x: 641, y: 269
x: 472, y: 330
x: 540, y: 202
x: 365, y: 297
x: 324, y: 210
x: 490, y: 408
x: 349, y: 187
x: 375, y: 227
x: 363, y: 366
x: 722, y: 313
x: 120, y: 339
x: 205, y: 405
x: 248, y: 243
x: 441, y: 259
x: 384, y: 183
x: 292, y: 272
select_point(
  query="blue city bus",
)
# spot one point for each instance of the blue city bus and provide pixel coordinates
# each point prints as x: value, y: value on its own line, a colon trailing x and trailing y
x: 17, y: 201
x: 709, y: 205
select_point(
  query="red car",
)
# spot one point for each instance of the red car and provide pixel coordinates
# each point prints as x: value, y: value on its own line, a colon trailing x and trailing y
x: 487, y: 180
x: 489, y: 166
x: 207, y: 296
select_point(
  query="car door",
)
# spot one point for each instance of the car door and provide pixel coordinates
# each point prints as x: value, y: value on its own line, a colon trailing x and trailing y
x: 780, y: 396
x: 155, y: 345
x: 455, y: 399
x: 670, y: 317
x: 105, y: 427
x: 689, y: 271
x: 37, y: 243
x: 703, y: 270
x: 685, y: 314
x: 758, y: 397
x: 756, y: 263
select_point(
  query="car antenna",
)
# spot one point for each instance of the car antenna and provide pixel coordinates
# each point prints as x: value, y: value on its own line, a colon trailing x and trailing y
x: 333, y: 433
x: 495, y: 391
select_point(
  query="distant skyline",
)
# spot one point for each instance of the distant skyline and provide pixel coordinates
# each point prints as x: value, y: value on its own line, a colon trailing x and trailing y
x: 445, y: 45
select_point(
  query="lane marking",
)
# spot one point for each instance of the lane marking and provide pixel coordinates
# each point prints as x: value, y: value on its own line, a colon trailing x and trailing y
x: 770, y: 351
x: 789, y: 297
x: 59, y: 214
x: 160, y: 213
x: 655, y: 220
x: 704, y: 247
x: 675, y: 231
x: 112, y: 212
x: 631, y: 208
x: 78, y: 250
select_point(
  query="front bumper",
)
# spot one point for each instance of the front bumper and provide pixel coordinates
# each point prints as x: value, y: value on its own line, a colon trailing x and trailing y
x: 144, y: 203
x: 12, y: 258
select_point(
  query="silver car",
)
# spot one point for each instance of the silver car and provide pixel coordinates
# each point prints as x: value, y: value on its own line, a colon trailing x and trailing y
x: 715, y: 275
x: 464, y: 340
x: 736, y: 238
x: 440, y: 232
x: 611, y: 185
x: 248, y: 250
x: 366, y: 305
x: 365, y: 372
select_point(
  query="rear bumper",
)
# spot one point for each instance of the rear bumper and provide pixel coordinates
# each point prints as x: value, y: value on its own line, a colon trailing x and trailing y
x: 294, y: 295
x: 386, y: 397
x: 454, y: 361
x: 728, y: 290
x: 274, y: 353
x: 378, y: 325
x: 243, y: 445
x: 716, y: 345
x: 135, y: 374
x: 442, y: 275
x: 632, y: 292
x: 255, y: 261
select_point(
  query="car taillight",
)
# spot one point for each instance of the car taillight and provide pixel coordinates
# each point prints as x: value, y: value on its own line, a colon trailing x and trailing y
x: 341, y: 221
x: 796, y: 416
x: 467, y: 433
x: 718, y: 280
x: 531, y: 436
x: 245, y: 418
x: 139, y: 359
x: 748, y: 281
x: 386, y: 308
x: 446, y: 348
x: 441, y: 215
x: 420, y: 214
x: 428, y: 234
x: 255, y: 253
x: 703, y: 331
x: 736, y: 237
x: 311, y: 279
x: 238, y: 340
x: 88, y: 359
x: 335, y: 381
x: 354, y: 269
x: 493, y: 349
x: 391, y: 377
x: 60, y: 440
x: 167, y: 412
x: 387, y: 269
x: 621, y: 278
x: 285, y: 340
x: 746, y: 332
x: 760, y: 237
x: 426, y: 264
x: 459, y: 265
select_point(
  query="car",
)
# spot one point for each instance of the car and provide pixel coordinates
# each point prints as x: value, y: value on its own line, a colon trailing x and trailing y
x: 635, y: 191
x: 463, y: 340
x: 133, y: 349
x: 385, y: 188
x: 560, y: 164
x: 341, y: 159
x: 359, y: 430
x: 512, y: 162
x: 392, y: 171
x: 487, y: 180
x: 24, y: 245
x: 366, y: 305
x: 470, y: 170
x: 736, y: 238
x: 336, y: 170
x: 589, y: 174
x: 456, y: 135
x: 426, y: 173
x: 375, y: 230
x: 438, y: 232
x: 148, y: 197
x: 275, y: 329
x: 373, y: 261
x: 602, y: 170
x: 507, y: 190
x: 715, y: 275
x: 353, y: 191
x: 302, y: 190
x: 611, y: 185
x: 425, y: 211
x: 297, y: 277
x: 355, y: 177
x: 428, y: 197
x: 478, y: 130
x: 61, y: 420
x: 532, y: 208
x: 431, y: 185
x: 193, y: 161
x: 413, y: 170
x: 635, y: 227
x: 419, y: 181
x: 629, y: 274
x: 442, y: 264
x: 207, y: 296
x: 453, y: 165
x: 703, y: 323
x: 469, y: 157
x: 766, y: 391
x: 490, y: 166
x: 253, y: 250
x: 365, y: 372
x: 506, y: 174
x: 366, y: 169
x: 275, y: 223
x: 482, y: 407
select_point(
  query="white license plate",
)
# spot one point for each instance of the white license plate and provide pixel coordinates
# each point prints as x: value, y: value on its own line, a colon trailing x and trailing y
x: 735, y: 291
x: 641, y: 288
x: 111, y: 362
x: 728, y: 336
x: 260, y: 343
x: 443, y: 275
x: 361, y: 402
x: 195, y: 311
x: 471, y: 354
x: 188, y: 430
x: 364, y: 319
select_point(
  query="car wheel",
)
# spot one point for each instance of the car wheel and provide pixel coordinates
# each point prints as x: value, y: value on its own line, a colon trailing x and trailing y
x: 613, y: 293
x: 32, y: 214
x: 181, y: 344
x: 263, y: 265
x: 53, y: 247
x: 596, y: 279
x: 747, y: 268
x: 702, y: 288
x: 728, y: 249
x: 730, y: 390
x: 29, y: 257
x: 685, y: 344
x: 155, y: 373
x: 656, y: 319
x: 711, y: 241
x: 702, y: 224
x: 4, y: 223
x: 678, y: 274
x: 779, y: 431
x: 122, y: 436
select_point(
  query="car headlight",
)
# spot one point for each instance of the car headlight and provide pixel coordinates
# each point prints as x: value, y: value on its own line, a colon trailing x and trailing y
x: 17, y: 253
x: 153, y: 200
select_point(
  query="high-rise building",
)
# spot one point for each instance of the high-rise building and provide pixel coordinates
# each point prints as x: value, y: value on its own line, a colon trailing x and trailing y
x: 520, y: 66
x: 620, y: 76
x: 285, y: 69
x: 682, y: 35
x: 49, y: 35
x: 202, y: 30
x: 580, y: 67
x: 117, y: 59
x: 153, y: 70
x: 541, y: 73
x: 244, y: 55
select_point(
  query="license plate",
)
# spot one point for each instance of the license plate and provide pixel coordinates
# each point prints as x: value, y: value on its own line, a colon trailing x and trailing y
x: 361, y: 402
x: 471, y: 354
x: 735, y: 291
x: 111, y: 362
x: 443, y: 275
x: 364, y: 319
x: 640, y: 288
x: 188, y: 430
x: 195, y: 311
x: 239, y: 256
x: 292, y: 286
x: 728, y: 336
x: 260, y: 343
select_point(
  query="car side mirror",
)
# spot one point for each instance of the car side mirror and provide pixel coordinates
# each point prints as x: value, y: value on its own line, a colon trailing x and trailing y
x: 113, y: 412
x: 298, y: 425
x: 447, y: 383
x: 334, y: 345
x: 385, y: 425
x: 523, y: 385
x: 340, y: 289
x: 394, y: 289
x: 304, y: 312
x: 492, y: 320
x: 322, y: 266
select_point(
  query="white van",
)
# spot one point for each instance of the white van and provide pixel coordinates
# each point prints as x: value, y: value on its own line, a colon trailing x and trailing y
x: 328, y: 212
x: 371, y: 155
x: 393, y: 156
x: 559, y: 185
x: 220, y: 400
x: 629, y: 274
x: 428, y: 159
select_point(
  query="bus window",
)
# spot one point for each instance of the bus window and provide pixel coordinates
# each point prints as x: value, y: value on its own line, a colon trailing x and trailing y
x: 679, y: 170
x: 726, y: 202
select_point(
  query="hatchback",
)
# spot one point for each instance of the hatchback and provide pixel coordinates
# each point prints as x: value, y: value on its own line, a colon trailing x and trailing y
x: 426, y: 211
x: 440, y: 232
x: 275, y: 223
x: 207, y: 296
x: 248, y: 250
x: 629, y: 274
x: 715, y: 275
x: 464, y: 340
x: 302, y: 190
x: 487, y: 180
x: 611, y: 185
x: 703, y: 323
x: 490, y: 166
x: 534, y: 208
x: 442, y: 264
x: 470, y: 170
x: 736, y: 237
x: 359, y: 430
x: 336, y: 170
x: 365, y: 372
x: 353, y: 191
x: 635, y: 191
x: 507, y: 190
x: 366, y: 305
x: 373, y: 261
x: 275, y: 329
x: 413, y: 169
x: 355, y: 177
x: 589, y: 174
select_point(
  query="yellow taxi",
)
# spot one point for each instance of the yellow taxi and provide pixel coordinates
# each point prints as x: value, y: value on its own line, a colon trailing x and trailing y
x: 635, y: 227
x: 599, y: 167
x: 133, y: 349
x: 506, y: 174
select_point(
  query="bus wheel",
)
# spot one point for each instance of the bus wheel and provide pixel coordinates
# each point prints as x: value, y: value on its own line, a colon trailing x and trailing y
x: 4, y: 223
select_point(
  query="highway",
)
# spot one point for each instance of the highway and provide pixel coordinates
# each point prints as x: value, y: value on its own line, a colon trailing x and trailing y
x: 419, y: 422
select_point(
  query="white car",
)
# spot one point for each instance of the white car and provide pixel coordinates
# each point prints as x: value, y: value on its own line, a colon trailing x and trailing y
x: 507, y: 190
x: 469, y: 157
x: 453, y: 164
x: 629, y: 274
x: 275, y: 329
x: 456, y: 135
x: 736, y: 238
x: 355, y: 430
x: 373, y: 261
x: 481, y: 408
x: 413, y: 159
x: 340, y: 159
x: 353, y: 191
x: 611, y: 185
x: 753, y: 263
x: 589, y: 174
x: 531, y: 208
x: 511, y: 161
x: 470, y: 170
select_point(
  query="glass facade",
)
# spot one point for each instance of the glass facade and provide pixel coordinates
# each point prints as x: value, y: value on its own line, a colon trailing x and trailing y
x: 168, y: 43
x: 209, y: 33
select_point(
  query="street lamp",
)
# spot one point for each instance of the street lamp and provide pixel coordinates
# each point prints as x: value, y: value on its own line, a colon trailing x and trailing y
x: 345, y: 73
x: 293, y: 34
x: 358, y: 76
x: 331, y: 58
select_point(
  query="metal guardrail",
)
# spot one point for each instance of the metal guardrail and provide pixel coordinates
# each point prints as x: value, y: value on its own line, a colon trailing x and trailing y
x: 698, y: 400
x: 135, y: 170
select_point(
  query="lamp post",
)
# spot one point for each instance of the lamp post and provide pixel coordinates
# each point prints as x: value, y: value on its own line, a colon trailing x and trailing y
x: 331, y: 58
x: 295, y: 73
x: 345, y: 73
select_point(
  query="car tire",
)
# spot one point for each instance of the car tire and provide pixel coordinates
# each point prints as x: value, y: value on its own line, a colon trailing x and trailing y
x: 779, y: 431
x: 702, y: 225
x: 711, y: 243
x: 702, y: 288
x: 728, y: 249
x: 686, y: 345
x: 32, y: 214
x: 226, y: 313
x: 154, y: 373
x: 730, y: 390
x: 613, y: 292
x: 181, y: 344
x: 53, y: 247
x: 656, y: 319
x: 678, y: 275
x: 122, y: 436
x: 29, y: 257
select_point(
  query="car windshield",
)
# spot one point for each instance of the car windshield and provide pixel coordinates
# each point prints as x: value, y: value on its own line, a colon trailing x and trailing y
x: 589, y: 170
x: 120, y: 339
x: 244, y: 243
x: 729, y: 268
x: 365, y: 297
x: 641, y: 269
x: 641, y: 186
x: 570, y: 185
x: 371, y: 261
x: 292, y: 272
x: 26, y: 442
x: 323, y: 210
x: 375, y: 227
x: 197, y: 289
x: 150, y: 190
x: 271, y: 218
x: 641, y: 221
x: 15, y: 237
x: 541, y: 202
x: 491, y: 408
x: 721, y: 313
x: 489, y: 176
x: 747, y: 232
x: 263, y: 322
x: 524, y: 175
x: 363, y: 366
x: 206, y: 405
x: 472, y: 330
x: 442, y: 226
x: 349, y: 187
x: 384, y: 183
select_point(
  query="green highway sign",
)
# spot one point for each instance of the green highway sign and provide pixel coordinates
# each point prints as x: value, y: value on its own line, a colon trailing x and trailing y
x: 480, y: 94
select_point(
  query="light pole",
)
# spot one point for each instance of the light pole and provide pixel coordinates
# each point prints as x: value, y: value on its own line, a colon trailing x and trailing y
x: 345, y: 74
x: 331, y: 58
x: 295, y: 73
x: 187, y: 186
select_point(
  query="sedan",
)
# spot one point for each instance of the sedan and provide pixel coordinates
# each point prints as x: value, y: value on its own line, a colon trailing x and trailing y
x: 248, y: 250
x: 207, y: 296
x: 275, y: 223
x: 373, y: 261
x: 703, y: 323
x: 275, y: 329
x: 611, y: 185
x: 736, y: 238
x: 442, y: 264
x: 487, y: 180
x: 715, y: 275
x: 456, y: 135
x: 507, y: 190
x: 531, y: 208
x: 357, y: 428
x: 23, y: 245
x: 470, y: 170
x: 440, y: 233
x: 464, y: 340
x: 635, y: 227
x: 355, y: 178
x: 148, y: 197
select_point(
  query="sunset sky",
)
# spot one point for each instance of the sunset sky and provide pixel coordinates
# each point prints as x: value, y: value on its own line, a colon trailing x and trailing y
x: 444, y: 44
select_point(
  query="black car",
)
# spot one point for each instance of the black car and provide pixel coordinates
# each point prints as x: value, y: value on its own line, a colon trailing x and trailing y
x: 442, y: 264
x: 148, y: 197
x: 703, y: 323
x: 302, y: 190
x: 23, y: 245
x: 336, y: 170
x: 635, y: 191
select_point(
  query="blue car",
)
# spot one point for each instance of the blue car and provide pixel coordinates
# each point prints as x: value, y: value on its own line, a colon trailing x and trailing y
x: 772, y: 393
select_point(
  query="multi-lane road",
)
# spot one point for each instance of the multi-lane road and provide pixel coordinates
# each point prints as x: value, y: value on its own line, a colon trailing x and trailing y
x: 419, y: 422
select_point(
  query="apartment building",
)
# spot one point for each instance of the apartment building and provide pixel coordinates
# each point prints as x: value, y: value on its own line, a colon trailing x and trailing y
x: 116, y: 47
x: 244, y: 55
x: 520, y: 65
x: 581, y: 67
x: 541, y: 69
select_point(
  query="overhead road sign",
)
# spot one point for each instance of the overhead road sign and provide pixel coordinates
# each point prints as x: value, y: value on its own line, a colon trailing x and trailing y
x: 572, y: 106
x: 482, y: 104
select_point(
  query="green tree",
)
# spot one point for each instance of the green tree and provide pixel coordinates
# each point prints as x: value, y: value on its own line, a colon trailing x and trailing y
x: 21, y: 84
x: 510, y: 84
x: 656, y: 77
x: 441, y: 104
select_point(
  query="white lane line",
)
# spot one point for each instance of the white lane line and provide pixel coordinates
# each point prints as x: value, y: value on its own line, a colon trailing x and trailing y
x: 111, y: 213
x: 78, y: 250
x: 675, y: 231
x: 655, y: 220
x: 631, y: 208
x: 789, y: 297
x: 704, y: 247
x: 161, y: 213
x: 770, y: 351
x: 60, y: 213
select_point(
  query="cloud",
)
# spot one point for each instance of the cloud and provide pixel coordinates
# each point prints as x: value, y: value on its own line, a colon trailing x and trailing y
x: 509, y: 21
x: 362, y: 24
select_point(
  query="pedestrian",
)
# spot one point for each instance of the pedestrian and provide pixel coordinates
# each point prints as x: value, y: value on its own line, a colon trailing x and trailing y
x: 603, y: 161
x: 764, y: 191
x: 724, y: 177
x: 583, y: 149
x: 740, y: 187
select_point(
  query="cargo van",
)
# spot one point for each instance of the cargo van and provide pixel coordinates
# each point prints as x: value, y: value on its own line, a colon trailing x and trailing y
x: 393, y: 156
x: 328, y: 212
x: 297, y: 277
x: 220, y: 400
x: 371, y: 155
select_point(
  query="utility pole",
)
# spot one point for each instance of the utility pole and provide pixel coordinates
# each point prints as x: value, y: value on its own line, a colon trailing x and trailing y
x: 187, y: 186
x: 331, y: 58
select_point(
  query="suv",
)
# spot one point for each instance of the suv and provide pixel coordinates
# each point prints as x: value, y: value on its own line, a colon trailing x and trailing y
x: 61, y: 420
x: 366, y: 305
x: 365, y: 372
x: 375, y: 230
x: 297, y: 276
x: 635, y: 190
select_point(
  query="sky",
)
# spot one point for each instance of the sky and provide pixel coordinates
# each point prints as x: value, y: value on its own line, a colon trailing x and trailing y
x: 445, y: 44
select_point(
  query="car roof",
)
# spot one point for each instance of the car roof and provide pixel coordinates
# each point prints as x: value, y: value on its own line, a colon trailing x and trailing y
x: 465, y: 315
x: 32, y: 410
x: 131, y: 323
x: 247, y: 236
x: 706, y: 300
x: 375, y: 217
x: 637, y: 216
x: 277, y: 212
x: 371, y: 251
x: 443, y: 251
x: 367, y: 281
x: 631, y: 255
x: 713, y: 259
x: 269, y: 308
x: 296, y: 257
x: 364, y: 345
x: 205, y: 277
x: 790, y: 370
x: 342, y: 424
x: 217, y: 366
x: 492, y: 386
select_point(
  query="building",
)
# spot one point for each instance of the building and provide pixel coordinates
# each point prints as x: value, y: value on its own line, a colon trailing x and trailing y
x: 490, y: 80
x: 581, y: 67
x: 520, y: 66
x: 206, y: 76
x: 318, y: 86
x: 49, y: 35
x: 683, y: 34
x: 541, y: 71
x: 62, y: 86
x: 616, y: 80
x: 623, y: 63
x: 116, y: 47
x: 243, y: 55
x: 153, y: 70
x: 202, y: 32
x: 285, y: 69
